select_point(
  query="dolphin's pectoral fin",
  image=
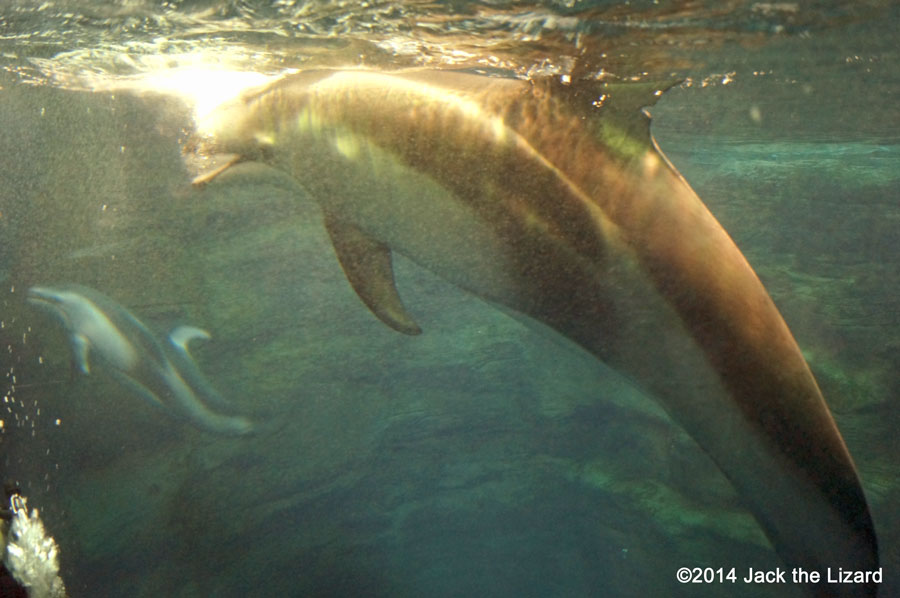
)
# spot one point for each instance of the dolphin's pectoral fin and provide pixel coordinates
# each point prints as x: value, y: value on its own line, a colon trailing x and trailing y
x: 207, y: 177
x: 367, y: 264
x: 80, y: 348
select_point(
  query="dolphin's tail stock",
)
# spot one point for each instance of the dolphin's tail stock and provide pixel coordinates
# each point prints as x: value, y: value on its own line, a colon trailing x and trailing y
x: 189, y: 405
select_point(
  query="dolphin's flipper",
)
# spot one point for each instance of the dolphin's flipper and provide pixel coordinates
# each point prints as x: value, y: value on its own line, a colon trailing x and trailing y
x: 80, y: 348
x: 179, y: 338
x: 207, y: 177
x: 367, y: 264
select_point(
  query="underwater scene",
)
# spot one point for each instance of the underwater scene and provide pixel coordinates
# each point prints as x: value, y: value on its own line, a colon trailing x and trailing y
x: 406, y: 299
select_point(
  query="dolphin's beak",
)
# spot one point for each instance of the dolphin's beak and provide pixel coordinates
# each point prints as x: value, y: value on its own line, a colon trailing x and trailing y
x: 43, y: 296
x: 50, y: 300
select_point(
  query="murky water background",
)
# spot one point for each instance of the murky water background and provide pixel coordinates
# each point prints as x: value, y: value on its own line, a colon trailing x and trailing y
x: 482, y: 458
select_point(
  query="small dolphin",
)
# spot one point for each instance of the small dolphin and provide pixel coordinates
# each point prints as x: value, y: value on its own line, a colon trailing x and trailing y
x: 551, y: 199
x: 163, y: 374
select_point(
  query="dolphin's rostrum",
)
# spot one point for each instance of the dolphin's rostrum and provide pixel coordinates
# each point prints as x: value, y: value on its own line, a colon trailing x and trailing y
x: 164, y: 374
x: 552, y: 199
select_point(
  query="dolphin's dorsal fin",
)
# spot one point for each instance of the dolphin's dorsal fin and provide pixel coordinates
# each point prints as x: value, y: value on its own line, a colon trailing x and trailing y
x: 617, y: 111
x: 367, y: 264
x: 625, y: 122
x: 179, y: 339
x: 181, y: 336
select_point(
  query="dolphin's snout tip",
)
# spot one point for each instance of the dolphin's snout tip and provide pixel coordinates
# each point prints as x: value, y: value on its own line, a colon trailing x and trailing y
x: 38, y: 294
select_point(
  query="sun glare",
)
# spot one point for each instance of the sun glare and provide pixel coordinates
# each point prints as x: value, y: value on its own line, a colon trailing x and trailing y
x: 205, y: 89
x: 203, y: 86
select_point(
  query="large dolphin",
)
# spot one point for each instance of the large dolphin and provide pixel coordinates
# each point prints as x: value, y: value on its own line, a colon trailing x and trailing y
x: 163, y: 374
x: 553, y: 200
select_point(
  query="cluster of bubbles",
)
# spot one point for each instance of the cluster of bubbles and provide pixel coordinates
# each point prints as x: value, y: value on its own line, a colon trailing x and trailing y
x: 17, y: 413
x: 22, y: 417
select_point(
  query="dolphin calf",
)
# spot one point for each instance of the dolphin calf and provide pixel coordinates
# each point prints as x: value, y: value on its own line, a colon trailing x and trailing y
x: 163, y: 374
x: 553, y: 201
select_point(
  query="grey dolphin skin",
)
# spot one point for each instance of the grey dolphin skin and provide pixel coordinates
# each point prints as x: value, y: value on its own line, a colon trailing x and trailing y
x: 102, y: 329
x: 553, y: 200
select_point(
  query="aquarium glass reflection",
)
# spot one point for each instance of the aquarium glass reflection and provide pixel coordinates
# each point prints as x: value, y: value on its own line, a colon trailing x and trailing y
x: 414, y: 298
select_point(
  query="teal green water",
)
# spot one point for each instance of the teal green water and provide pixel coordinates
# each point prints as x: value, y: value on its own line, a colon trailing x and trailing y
x: 482, y: 458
